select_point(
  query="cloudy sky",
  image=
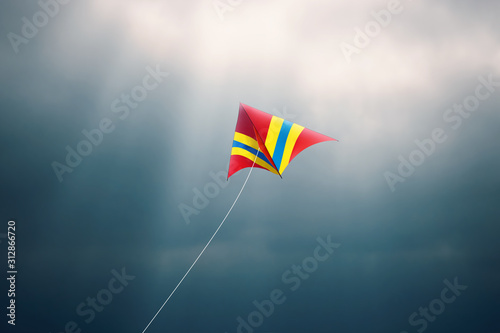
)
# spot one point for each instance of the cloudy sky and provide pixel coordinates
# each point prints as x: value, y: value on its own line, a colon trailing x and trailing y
x: 408, y: 199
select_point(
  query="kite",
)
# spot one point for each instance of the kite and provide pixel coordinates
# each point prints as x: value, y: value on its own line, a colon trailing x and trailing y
x: 262, y: 141
x: 268, y: 142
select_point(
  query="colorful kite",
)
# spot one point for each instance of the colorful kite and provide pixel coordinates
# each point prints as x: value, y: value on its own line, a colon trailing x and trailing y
x: 270, y: 141
x: 264, y: 141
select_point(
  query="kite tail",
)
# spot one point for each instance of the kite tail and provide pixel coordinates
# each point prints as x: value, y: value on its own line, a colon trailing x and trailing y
x: 201, y: 253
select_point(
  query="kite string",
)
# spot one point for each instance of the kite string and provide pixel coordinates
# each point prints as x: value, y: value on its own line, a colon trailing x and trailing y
x: 215, y: 233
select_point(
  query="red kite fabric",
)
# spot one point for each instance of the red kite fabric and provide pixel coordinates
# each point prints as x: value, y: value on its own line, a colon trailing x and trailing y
x: 270, y: 141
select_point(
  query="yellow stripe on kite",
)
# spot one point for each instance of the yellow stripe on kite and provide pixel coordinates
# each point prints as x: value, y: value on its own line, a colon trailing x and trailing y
x: 246, y: 140
x: 273, y: 133
x: 250, y: 156
x: 290, y: 143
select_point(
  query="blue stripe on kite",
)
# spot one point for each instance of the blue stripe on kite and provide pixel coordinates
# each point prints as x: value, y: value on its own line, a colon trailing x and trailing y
x: 280, y: 144
x: 261, y: 155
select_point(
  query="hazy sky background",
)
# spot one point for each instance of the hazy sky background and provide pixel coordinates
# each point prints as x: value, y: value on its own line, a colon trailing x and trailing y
x: 120, y: 207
